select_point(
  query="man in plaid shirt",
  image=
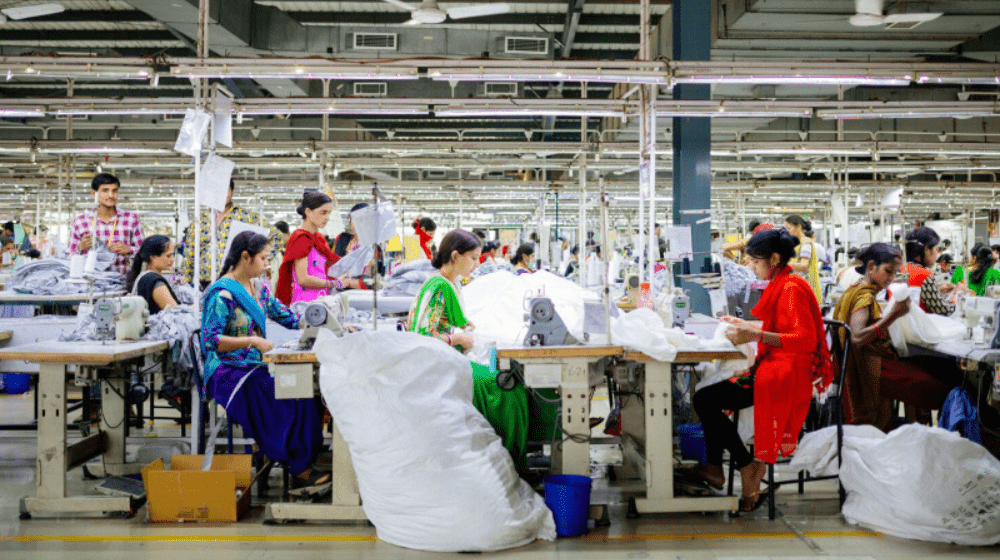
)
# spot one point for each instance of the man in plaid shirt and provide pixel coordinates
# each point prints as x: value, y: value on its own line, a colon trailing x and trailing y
x: 117, y: 229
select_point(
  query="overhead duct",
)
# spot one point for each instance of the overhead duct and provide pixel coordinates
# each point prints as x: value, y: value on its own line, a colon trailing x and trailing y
x: 235, y: 30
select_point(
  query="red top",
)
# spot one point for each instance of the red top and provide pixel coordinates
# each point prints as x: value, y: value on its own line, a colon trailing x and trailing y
x: 783, y: 382
x: 300, y: 243
x: 425, y: 238
x: 918, y: 275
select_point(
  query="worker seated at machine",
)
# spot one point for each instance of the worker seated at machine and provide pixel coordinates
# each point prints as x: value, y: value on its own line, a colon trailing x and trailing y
x: 437, y: 312
x: 876, y: 376
x: 145, y: 278
x: 792, y: 356
x: 523, y: 258
x: 233, y: 334
x: 980, y: 272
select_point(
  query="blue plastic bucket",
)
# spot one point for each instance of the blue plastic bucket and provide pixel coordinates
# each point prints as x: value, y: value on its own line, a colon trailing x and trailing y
x: 17, y: 383
x: 568, y: 496
x: 693, y: 443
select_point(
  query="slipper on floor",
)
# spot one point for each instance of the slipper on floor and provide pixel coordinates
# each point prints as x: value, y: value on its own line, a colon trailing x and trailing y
x: 695, y: 474
x: 754, y: 501
x: 315, y: 478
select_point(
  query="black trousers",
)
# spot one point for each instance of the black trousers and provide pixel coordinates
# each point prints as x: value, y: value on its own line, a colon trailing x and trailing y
x: 720, y: 431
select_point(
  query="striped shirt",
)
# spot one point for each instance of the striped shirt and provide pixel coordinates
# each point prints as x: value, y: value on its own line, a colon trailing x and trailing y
x: 123, y: 227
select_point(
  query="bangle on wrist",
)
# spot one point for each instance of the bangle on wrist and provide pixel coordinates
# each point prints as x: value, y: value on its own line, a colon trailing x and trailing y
x: 449, y: 339
x: 761, y: 338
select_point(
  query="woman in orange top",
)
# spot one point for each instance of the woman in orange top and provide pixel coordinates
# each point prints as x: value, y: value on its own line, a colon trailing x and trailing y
x: 792, y: 357
x: 921, y: 254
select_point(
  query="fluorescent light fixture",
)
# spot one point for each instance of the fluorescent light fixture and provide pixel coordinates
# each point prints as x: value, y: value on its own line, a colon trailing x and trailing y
x: 806, y: 151
x: 20, y: 113
x: 527, y: 75
x: 118, y: 110
x: 297, y: 72
x: 332, y: 110
x: 722, y: 112
x: 908, y: 113
x: 33, y: 11
x: 78, y: 71
x: 485, y: 111
x: 795, y: 80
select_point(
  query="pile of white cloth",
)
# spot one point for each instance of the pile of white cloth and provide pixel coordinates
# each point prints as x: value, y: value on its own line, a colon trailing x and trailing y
x: 916, y: 482
x: 918, y: 326
x: 497, y: 304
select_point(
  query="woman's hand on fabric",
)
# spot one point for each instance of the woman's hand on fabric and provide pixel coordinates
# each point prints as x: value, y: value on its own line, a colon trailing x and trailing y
x: 261, y: 343
x: 947, y: 288
x: 735, y: 321
x: 463, y: 341
x: 743, y: 333
x: 900, y: 308
x: 469, y: 327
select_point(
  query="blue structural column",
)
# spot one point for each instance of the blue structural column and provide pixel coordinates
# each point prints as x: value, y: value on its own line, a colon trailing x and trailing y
x: 692, y: 140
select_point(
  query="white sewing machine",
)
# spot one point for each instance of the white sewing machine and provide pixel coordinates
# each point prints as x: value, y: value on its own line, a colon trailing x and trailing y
x: 673, y: 306
x: 985, y: 310
x: 327, y: 312
x: 121, y: 318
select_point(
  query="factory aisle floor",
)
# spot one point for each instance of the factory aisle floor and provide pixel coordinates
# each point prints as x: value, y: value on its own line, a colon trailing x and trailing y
x: 809, y: 526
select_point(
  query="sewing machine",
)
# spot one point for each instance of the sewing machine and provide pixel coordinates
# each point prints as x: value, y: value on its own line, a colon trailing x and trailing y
x: 985, y: 310
x: 632, y: 288
x: 326, y: 312
x: 673, y: 306
x: 121, y: 318
x: 545, y: 326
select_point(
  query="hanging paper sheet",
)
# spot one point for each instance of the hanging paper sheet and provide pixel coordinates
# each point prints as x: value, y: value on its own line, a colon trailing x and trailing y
x: 215, y: 176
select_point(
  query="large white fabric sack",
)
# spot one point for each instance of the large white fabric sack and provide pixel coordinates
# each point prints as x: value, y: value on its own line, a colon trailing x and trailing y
x: 916, y: 482
x: 918, y: 325
x: 433, y: 474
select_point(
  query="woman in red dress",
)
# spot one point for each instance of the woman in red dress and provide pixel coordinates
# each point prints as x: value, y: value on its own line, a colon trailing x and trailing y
x: 792, y: 358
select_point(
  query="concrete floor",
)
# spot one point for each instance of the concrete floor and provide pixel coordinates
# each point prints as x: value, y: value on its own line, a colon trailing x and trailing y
x: 808, y: 526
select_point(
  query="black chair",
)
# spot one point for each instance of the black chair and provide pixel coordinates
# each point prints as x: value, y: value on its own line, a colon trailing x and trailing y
x: 820, y: 416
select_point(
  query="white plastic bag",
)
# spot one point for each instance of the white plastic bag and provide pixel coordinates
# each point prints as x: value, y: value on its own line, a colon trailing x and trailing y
x: 433, y: 474
x: 916, y: 482
x: 374, y: 224
x: 192, y: 135
x: 919, y: 326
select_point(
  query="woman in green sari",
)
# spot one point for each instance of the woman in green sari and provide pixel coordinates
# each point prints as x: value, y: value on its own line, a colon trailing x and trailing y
x: 437, y: 311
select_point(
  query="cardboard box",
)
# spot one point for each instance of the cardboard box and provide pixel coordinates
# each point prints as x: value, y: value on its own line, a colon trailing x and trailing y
x: 186, y: 493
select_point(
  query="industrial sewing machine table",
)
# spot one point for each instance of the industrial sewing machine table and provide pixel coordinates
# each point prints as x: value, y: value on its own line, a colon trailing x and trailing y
x: 110, y: 362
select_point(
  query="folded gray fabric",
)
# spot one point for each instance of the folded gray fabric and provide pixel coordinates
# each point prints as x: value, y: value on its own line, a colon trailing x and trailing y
x: 408, y: 278
x: 175, y: 325
x: 47, y: 277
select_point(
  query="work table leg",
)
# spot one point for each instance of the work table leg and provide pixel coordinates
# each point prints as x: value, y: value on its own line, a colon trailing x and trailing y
x: 574, y: 456
x: 50, y: 475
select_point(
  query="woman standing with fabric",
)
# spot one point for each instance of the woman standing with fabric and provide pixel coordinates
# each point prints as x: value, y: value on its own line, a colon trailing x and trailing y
x: 875, y: 374
x: 438, y: 310
x: 424, y: 228
x: 233, y: 331
x: 792, y: 358
x: 921, y: 254
x: 302, y: 275
x: 145, y: 278
x: 522, y: 259
x: 806, y: 261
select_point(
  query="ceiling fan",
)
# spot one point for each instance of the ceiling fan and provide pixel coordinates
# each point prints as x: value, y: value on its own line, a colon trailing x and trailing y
x: 27, y: 11
x: 429, y: 12
x: 870, y: 13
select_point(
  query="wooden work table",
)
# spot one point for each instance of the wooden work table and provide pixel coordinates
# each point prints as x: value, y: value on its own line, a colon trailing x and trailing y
x: 112, y: 362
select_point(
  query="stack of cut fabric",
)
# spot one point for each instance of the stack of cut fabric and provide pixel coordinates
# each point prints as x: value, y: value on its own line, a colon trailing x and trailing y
x: 47, y: 277
x: 408, y: 278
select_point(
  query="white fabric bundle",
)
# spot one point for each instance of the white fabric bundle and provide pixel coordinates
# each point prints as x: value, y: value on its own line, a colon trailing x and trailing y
x: 433, y: 474
x: 916, y: 482
x: 919, y: 326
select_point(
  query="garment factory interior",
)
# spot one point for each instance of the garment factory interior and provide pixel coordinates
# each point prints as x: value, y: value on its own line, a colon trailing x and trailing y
x: 624, y: 176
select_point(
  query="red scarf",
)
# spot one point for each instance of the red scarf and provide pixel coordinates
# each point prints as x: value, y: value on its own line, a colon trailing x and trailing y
x: 300, y: 244
x: 766, y: 311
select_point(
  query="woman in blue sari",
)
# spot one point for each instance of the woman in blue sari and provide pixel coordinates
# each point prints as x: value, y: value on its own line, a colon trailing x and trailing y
x: 233, y: 334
